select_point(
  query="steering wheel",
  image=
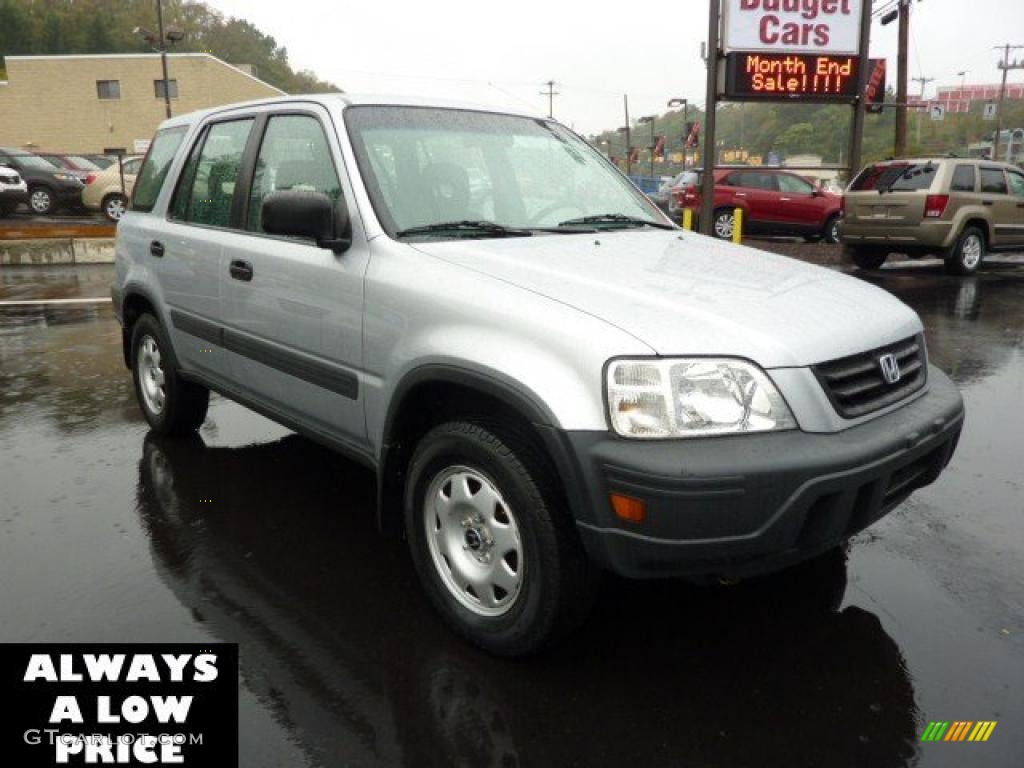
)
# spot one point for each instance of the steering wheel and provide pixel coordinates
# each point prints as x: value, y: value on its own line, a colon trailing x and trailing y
x: 566, y: 205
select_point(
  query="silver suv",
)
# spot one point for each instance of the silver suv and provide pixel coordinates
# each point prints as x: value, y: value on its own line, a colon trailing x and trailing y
x: 549, y: 378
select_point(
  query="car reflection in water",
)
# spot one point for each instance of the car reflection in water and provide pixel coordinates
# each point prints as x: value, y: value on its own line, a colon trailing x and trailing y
x: 273, y: 546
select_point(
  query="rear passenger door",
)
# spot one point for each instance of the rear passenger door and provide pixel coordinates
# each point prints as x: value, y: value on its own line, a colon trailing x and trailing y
x: 191, y: 266
x: 292, y: 310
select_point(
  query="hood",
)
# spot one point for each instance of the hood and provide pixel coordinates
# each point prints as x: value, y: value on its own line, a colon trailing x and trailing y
x: 683, y: 293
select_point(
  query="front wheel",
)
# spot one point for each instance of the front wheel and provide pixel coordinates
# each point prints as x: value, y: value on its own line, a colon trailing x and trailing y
x: 967, y: 252
x: 41, y: 201
x: 171, y: 405
x: 491, y: 539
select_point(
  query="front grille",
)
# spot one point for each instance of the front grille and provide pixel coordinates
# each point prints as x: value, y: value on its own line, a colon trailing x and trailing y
x: 8, y: 179
x: 856, y: 386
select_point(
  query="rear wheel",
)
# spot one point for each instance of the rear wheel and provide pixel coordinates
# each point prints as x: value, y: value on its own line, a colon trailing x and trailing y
x: 114, y: 206
x: 967, y: 252
x: 491, y: 540
x: 724, y: 223
x: 866, y: 258
x: 171, y: 405
x: 831, y: 232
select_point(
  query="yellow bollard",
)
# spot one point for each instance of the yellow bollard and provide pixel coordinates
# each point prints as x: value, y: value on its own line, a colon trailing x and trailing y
x: 737, y: 226
x: 688, y: 219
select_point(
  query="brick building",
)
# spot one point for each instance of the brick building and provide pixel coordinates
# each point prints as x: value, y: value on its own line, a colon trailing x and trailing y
x: 109, y: 102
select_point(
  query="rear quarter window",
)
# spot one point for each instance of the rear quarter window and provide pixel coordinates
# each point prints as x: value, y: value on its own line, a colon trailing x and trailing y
x: 155, y: 167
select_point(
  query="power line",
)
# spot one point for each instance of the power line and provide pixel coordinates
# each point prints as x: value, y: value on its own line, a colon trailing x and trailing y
x: 550, y: 93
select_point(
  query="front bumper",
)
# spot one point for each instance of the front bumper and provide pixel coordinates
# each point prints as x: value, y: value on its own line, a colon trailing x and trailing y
x: 13, y: 195
x: 743, y: 505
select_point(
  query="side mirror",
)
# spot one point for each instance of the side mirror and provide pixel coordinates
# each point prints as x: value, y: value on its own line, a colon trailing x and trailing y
x: 297, y: 213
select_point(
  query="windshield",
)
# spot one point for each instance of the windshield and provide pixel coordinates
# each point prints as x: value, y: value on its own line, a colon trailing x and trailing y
x: 428, y: 166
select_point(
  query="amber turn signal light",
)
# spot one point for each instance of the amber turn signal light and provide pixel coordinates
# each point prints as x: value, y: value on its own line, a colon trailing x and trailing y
x: 628, y: 508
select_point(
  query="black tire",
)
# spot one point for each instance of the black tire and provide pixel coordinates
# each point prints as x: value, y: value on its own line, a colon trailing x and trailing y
x: 183, y: 403
x: 557, y: 582
x: 41, y: 200
x: 113, y: 203
x: 967, y: 252
x: 866, y: 258
x: 723, y: 223
x: 830, y: 234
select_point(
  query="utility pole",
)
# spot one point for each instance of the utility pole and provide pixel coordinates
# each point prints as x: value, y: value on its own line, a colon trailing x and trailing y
x: 901, y: 79
x: 550, y: 93
x: 707, y: 191
x: 1006, y: 66
x: 860, y: 105
x: 924, y: 82
x: 163, y: 55
x: 650, y: 120
x: 629, y: 147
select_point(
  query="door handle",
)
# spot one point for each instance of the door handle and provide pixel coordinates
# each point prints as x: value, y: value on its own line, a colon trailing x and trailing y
x: 786, y: 199
x: 1020, y: 205
x: 156, y: 248
x: 988, y: 202
x: 741, y: 194
x: 241, y: 270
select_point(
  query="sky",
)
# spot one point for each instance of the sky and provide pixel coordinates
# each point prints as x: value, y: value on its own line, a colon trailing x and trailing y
x: 503, y: 53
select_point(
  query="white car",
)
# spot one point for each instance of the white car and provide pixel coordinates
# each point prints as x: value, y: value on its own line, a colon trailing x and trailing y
x: 13, y: 190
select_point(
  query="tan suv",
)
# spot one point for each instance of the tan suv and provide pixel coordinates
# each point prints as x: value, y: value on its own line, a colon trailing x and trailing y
x: 104, y: 192
x: 958, y: 208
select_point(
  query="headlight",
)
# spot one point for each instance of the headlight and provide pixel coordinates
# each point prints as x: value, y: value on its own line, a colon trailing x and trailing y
x: 697, y: 397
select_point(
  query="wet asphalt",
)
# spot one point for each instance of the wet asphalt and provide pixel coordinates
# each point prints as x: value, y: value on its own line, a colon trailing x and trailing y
x: 253, y: 535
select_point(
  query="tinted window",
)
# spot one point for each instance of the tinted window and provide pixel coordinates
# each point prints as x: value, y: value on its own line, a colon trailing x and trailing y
x: 897, y: 177
x: 794, y: 184
x: 964, y: 179
x: 294, y: 155
x: 750, y: 180
x: 1016, y: 183
x: 993, y: 181
x: 155, y: 166
x: 206, y: 190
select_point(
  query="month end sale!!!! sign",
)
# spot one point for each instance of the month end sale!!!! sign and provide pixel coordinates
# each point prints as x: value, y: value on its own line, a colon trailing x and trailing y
x: 792, y: 26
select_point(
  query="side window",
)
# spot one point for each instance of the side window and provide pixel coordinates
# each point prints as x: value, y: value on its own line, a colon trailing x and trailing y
x: 734, y: 180
x: 964, y: 179
x: 1016, y: 183
x: 155, y: 166
x: 794, y: 185
x: 993, y: 181
x: 206, y: 190
x: 294, y: 155
x: 131, y: 167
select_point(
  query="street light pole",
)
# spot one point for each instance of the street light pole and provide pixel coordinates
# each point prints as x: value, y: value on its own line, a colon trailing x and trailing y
x: 710, y: 104
x: 1006, y: 66
x: 163, y: 55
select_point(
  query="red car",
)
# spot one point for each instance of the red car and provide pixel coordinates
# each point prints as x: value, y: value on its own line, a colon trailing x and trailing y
x: 774, y: 202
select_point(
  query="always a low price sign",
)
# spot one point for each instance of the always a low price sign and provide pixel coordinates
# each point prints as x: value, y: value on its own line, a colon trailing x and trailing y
x: 792, y: 26
x: 119, y: 704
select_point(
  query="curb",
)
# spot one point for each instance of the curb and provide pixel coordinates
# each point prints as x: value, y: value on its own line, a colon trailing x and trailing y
x: 75, y: 250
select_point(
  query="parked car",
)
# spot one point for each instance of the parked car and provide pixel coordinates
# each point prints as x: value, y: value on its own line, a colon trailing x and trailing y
x: 13, y: 190
x: 546, y: 384
x: 685, y: 191
x: 664, y: 193
x: 103, y: 190
x: 49, y: 187
x: 774, y: 202
x: 76, y: 165
x: 103, y: 161
x: 957, y: 208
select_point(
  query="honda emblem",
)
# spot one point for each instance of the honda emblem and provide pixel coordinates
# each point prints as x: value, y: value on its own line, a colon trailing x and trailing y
x: 890, y: 368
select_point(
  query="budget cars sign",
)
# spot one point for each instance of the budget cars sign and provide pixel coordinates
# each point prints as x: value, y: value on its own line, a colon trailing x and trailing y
x: 792, y: 26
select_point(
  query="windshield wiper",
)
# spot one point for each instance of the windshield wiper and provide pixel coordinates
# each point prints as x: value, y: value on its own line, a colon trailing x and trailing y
x: 473, y: 227
x: 615, y: 218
